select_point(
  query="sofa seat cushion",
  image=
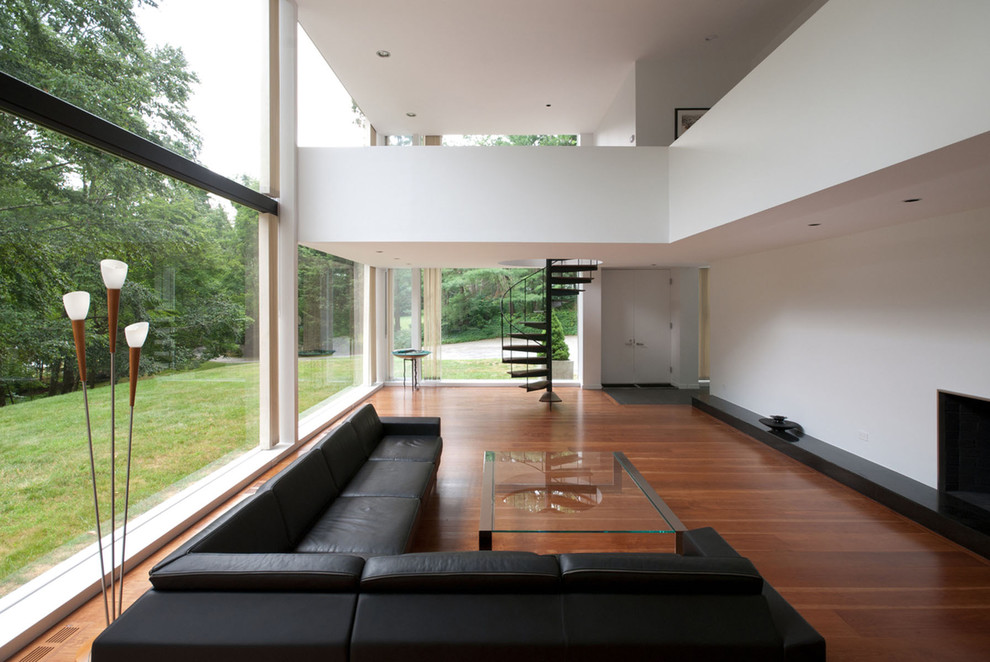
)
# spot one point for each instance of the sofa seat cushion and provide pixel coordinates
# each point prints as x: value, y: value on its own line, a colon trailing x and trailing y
x: 462, y: 572
x: 229, y: 627
x: 331, y: 573
x: 367, y: 526
x: 408, y: 448
x: 454, y: 627
x: 727, y: 628
x: 658, y: 573
x: 394, y: 479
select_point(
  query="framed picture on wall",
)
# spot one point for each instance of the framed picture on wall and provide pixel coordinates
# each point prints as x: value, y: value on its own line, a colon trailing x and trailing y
x: 684, y: 118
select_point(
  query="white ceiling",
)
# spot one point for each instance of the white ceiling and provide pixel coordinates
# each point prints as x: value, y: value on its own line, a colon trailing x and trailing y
x: 491, y: 67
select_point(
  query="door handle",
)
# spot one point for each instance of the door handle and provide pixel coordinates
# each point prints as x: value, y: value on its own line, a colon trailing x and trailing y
x: 639, y: 344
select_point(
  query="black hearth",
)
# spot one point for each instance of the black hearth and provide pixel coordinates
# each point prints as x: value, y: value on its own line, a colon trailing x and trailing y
x: 964, y: 448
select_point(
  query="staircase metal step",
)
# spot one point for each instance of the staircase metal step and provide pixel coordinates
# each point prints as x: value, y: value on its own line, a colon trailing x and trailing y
x: 524, y: 348
x: 539, y: 372
x: 535, y: 325
x: 569, y: 280
x: 528, y: 336
x: 530, y: 360
x: 535, y: 386
x: 572, y: 268
x: 564, y: 292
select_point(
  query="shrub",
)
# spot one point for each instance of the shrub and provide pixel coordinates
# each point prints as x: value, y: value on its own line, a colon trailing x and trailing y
x: 558, y: 345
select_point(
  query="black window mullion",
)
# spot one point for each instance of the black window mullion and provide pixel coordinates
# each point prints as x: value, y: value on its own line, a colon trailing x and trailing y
x: 19, y: 98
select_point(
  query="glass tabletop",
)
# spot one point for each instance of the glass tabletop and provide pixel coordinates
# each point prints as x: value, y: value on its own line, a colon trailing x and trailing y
x: 568, y: 491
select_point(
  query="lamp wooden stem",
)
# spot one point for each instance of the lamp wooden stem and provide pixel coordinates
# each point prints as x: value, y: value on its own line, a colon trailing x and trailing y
x: 79, y: 335
x: 113, y: 307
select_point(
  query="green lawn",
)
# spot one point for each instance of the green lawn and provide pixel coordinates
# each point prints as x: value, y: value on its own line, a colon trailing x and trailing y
x: 185, y: 424
x: 474, y: 369
x: 461, y: 369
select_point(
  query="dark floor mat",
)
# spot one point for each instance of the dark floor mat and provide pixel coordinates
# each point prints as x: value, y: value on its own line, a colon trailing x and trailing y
x: 652, y: 395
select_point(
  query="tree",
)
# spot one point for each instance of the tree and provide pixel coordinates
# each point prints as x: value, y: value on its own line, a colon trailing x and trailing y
x: 326, y: 300
x: 65, y: 206
x: 532, y: 140
x: 559, y: 351
x: 472, y: 302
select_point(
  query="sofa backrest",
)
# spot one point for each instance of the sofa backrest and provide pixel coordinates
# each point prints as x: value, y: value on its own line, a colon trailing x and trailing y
x: 368, y: 427
x: 303, y: 490
x: 461, y: 572
x: 343, y: 452
x: 282, y: 573
x: 254, y: 526
x: 658, y: 574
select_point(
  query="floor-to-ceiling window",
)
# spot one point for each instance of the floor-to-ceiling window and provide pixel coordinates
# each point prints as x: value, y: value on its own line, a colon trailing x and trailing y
x: 331, y: 289
x: 471, y: 322
x: 331, y: 329
x: 192, y: 256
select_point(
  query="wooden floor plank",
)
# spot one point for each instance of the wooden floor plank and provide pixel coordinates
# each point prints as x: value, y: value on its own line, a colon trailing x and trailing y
x: 876, y: 585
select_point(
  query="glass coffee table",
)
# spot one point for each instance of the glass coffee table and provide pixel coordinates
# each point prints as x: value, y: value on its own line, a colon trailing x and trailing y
x: 568, y: 492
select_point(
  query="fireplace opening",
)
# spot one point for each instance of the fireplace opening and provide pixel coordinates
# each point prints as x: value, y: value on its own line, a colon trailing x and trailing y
x: 964, y: 448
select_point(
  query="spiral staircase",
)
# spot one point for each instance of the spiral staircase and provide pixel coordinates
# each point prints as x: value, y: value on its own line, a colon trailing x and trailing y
x: 526, y: 320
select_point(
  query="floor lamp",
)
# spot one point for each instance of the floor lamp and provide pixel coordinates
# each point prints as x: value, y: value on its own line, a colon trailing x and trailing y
x: 77, y: 308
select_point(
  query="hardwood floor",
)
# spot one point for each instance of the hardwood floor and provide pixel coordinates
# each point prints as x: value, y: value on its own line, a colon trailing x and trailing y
x: 876, y: 585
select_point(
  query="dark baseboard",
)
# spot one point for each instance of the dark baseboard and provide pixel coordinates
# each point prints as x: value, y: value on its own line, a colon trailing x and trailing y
x: 947, y: 516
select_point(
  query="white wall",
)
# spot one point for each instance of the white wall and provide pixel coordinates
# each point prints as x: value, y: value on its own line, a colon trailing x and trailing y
x: 599, y: 194
x: 590, y: 307
x: 618, y: 127
x: 686, y: 320
x: 856, y: 334
x: 862, y: 85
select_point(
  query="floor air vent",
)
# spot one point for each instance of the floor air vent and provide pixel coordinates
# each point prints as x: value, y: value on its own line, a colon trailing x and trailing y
x: 63, y: 634
x: 37, y: 654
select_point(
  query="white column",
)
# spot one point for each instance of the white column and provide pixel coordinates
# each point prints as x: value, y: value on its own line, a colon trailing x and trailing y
x: 288, y: 298
x: 415, y: 326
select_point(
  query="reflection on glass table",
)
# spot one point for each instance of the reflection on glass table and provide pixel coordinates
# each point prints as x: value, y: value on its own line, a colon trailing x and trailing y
x: 568, y: 491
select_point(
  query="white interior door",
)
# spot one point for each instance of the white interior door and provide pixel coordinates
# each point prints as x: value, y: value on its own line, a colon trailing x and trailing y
x: 636, y: 326
x: 618, y: 327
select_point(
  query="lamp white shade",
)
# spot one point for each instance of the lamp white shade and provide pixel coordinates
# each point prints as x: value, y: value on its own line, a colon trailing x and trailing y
x: 76, y: 305
x: 114, y: 273
x: 136, y: 334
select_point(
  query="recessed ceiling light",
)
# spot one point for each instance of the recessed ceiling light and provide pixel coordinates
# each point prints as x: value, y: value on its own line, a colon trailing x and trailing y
x: 383, y: 53
x: 913, y: 200
x: 410, y: 114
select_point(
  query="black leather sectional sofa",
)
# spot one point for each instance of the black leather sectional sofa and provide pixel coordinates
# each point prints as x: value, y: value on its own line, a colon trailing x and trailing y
x: 313, y: 568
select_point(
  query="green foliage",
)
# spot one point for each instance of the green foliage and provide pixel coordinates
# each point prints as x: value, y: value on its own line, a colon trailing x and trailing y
x: 472, y: 302
x: 92, y: 54
x: 567, y: 314
x: 533, y: 140
x: 326, y: 300
x: 558, y: 345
